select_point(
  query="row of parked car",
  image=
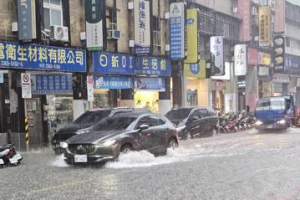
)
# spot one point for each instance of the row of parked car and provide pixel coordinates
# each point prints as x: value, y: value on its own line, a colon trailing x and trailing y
x: 101, y: 135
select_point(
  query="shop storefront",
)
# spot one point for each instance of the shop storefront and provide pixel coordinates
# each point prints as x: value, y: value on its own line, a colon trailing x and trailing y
x: 136, y: 81
x: 264, y: 75
x: 281, y: 84
x: 48, y: 101
x: 197, y: 92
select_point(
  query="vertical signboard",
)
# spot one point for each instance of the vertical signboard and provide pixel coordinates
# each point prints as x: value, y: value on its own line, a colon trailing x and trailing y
x: 244, y: 7
x: 264, y: 17
x: 279, y: 51
x: 217, y: 56
x: 142, y: 34
x: 192, y: 36
x: 279, y: 16
x: 177, y: 30
x: 252, y: 56
x: 90, y: 88
x: 26, y: 86
x: 26, y: 20
x: 95, y: 15
x: 240, y: 60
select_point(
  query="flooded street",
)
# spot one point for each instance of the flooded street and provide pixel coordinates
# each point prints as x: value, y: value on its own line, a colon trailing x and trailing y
x: 247, y: 165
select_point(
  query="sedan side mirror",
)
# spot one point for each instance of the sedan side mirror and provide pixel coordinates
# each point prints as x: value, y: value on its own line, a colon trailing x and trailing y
x: 195, y: 118
x: 143, y: 127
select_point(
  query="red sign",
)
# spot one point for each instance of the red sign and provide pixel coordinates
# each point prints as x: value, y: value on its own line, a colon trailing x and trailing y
x: 244, y: 7
x: 252, y: 56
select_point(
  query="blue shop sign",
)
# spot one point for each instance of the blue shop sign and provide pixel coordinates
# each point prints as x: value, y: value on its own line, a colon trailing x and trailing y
x: 155, y: 83
x: 153, y: 66
x: 292, y: 64
x: 114, y: 83
x: 38, y: 57
x: 111, y: 63
x: 52, y: 84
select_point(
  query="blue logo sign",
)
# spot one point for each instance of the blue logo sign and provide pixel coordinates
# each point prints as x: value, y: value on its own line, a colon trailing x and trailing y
x: 195, y: 68
x: 190, y: 21
x: 109, y: 63
x: 52, y: 84
x: 105, y: 82
x: 157, y: 84
x: 153, y: 66
x: 38, y: 57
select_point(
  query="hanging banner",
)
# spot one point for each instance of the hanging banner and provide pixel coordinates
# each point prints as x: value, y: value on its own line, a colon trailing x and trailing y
x: 158, y: 66
x: 252, y: 56
x: 95, y: 16
x: 279, y: 26
x: 240, y: 60
x: 112, y: 83
x: 142, y: 34
x: 192, y: 36
x: 26, y: 86
x: 177, y: 30
x: 27, y: 20
x: 38, y: 57
x: 244, y: 8
x: 228, y: 73
x: 217, y: 55
x: 197, y: 70
x: 279, y: 53
x: 264, y: 21
x: 157, y: 84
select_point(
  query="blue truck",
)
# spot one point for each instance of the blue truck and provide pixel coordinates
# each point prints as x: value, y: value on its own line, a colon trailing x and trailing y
x: 275, y: 113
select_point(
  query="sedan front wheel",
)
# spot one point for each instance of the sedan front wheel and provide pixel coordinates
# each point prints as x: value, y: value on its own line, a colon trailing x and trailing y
x: 172, y: 143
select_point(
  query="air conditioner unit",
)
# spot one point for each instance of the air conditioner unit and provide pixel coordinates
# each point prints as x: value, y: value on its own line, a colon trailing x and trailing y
x: 113, y: 34
x: 59, y: 33
x: 235, y: 10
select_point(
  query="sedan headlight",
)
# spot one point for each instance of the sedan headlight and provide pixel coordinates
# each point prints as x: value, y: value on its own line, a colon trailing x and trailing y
x: 63, y: 145
x: 283, y: 121
x: 108, y: 143
x: 259, y: 123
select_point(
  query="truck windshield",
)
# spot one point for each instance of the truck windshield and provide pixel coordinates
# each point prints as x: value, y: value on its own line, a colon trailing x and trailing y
x: 271, y: 104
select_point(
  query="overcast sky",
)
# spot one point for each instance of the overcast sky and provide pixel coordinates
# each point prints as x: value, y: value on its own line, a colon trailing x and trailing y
x: 296, y: 2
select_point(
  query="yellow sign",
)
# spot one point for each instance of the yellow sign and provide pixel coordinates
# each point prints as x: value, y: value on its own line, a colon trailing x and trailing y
x: 197, y: 70
x: 264, y: 59
x: 264, y: 17
x: 192, y: 36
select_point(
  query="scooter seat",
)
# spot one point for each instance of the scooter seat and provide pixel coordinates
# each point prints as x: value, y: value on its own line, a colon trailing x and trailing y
x: 2, y: 148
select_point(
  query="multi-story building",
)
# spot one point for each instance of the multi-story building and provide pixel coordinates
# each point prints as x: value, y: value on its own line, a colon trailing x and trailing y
x: 47, y: 40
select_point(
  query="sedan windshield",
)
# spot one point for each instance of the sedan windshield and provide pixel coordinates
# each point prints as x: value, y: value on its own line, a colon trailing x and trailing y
x: 179, y: 114
x: 91, y: 117
x: 120, y: 123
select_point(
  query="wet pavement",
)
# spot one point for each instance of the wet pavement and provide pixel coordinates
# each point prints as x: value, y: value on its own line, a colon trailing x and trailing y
x: 247, y: 165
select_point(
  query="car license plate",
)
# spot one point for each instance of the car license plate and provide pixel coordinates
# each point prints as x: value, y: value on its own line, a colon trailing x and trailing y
x: 80, y: 158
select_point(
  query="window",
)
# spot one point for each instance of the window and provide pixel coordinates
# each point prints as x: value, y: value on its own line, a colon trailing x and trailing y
x: 149, y: 120
x: 111, y: 19
x: 156, y: 31
x: 53, y: 13
x: 203, y: 113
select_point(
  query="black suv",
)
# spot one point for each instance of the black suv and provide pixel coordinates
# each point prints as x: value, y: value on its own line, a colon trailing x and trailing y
x: 193, y: 122
x: 87, y: 120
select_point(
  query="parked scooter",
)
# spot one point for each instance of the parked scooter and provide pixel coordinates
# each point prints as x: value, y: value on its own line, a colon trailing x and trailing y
x: 9, y: 156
